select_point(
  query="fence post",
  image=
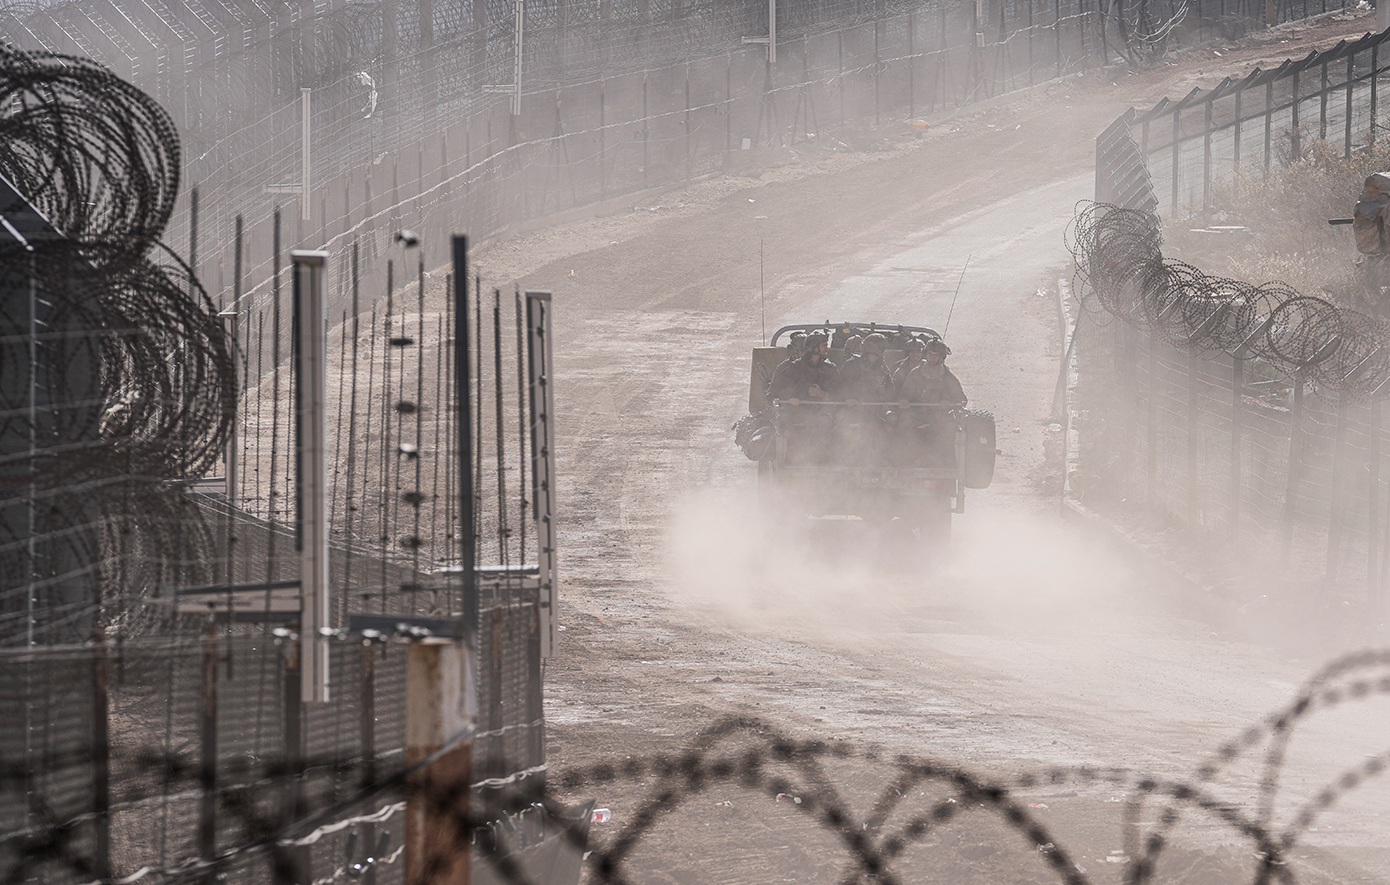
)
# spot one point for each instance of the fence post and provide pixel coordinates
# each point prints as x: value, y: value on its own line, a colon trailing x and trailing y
x: 1237, y: 405
x: 602, y: 139
x: 1057, y: 31
x: 1295, y: 137
x: 911, y: 65
x: 367, y: 737
x: 1294, y: 465
x: 207, y: 762
x: 1322, y: 102
x: 1206, y: 159
x: 1373, y: 507
x: 291, y: 863
x: 1151, y: 440
x: 1193, y: 500
x: 1235, y: 132
x: 877, y: 72
x: 1334, y: 516
x: 1375, y: 76
x: 438, y: 714
x: 689, y: 158
x: 840, y: 77
x: 646, y: 130
x: 1351, y: 81
x: 1124, y: 354
x: 101, y: 761
x: 1176, y: 158
x: 1269, y: 121
x: 728, y: 107
x: 1031, y: 79
x: 311, y: 466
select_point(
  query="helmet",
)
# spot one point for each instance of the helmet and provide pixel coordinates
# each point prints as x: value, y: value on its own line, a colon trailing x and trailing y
x: 853, y: 344
x: 816, y: 339
x: 915, y: 344
x: 936, y: 345
x: 875, y: 343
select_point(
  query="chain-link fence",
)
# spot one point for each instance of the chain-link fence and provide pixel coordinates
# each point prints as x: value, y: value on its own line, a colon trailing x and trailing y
x: 1249, y: 125
x: 442, y: 117
x: 1248, y: 414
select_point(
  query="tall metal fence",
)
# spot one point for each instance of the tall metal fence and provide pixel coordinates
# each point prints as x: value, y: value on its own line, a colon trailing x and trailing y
x: 155, y: 640
x: 463, y: 117
x: 1245, y: 126
x: 1246, y: 413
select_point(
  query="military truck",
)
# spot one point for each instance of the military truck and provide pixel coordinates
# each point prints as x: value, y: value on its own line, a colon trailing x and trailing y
x: 878, y: 461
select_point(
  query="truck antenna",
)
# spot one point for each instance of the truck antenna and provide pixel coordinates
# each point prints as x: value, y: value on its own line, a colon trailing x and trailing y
x: 762, y: 296
x: 952, y: 311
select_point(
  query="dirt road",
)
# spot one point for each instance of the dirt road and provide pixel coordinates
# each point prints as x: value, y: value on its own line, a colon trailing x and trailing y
x: 1033, y: 645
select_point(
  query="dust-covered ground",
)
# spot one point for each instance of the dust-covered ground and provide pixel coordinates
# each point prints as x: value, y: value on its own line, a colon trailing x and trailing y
x: 1033, y: 645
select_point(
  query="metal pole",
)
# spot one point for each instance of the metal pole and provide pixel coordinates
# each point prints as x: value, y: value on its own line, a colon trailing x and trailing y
x: 772, y: 32
x: 1177, y: 147
x: 1237, y: 405
x: 520, y: 35
x: 1193, y: 495
x: 207, y: 752
x: 1151, y: 434
x: 311, y: 467
x: 1206, y: 159
x: 1295, y: 461
x: 538, y: 362
x: 304, y: 123
x: 290, y: 863
x: 1383, y: 9
x: 1334, y: 518
x: 1235, y: 134
x: 101, y: 761
x: 463, y: 386
x: 439, y: 701
x: 1351, y: 83
x: 367, y: 736
x: 1373, y: 507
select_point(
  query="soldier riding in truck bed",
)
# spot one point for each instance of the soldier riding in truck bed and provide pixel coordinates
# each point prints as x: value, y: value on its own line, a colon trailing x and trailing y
x: 865, y: 419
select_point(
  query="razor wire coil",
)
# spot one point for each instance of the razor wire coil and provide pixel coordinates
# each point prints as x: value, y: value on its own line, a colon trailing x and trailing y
x: 1118, y: 255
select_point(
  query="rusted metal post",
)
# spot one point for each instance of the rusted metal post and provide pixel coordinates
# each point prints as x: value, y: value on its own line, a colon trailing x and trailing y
x: 438, y: 710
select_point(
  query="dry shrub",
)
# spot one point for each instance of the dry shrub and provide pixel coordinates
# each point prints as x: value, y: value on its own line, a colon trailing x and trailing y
x: 1285, y: 214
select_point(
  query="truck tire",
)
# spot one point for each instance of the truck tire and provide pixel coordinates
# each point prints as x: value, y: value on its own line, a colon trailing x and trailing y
x: 979, y: 448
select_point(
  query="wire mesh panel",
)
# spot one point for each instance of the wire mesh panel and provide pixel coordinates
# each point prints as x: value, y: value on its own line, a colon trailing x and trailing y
x: 1245, y: 415
x: 1245, y: 126
x: 54, y: 765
